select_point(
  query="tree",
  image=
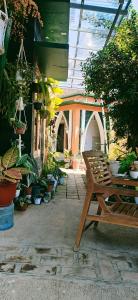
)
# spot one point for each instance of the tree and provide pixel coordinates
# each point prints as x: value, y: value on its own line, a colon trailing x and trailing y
x: 112, y: 74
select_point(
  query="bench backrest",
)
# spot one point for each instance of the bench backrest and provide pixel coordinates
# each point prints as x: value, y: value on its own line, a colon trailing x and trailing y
x: 97, y: 167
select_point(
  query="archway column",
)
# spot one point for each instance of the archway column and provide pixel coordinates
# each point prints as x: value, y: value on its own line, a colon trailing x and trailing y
x: 83, y: 118
x: 75, y: 131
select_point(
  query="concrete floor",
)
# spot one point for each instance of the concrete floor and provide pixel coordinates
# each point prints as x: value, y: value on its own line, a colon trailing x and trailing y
x: 37, y: 259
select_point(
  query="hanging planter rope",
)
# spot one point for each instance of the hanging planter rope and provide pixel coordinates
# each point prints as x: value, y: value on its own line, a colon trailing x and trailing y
x: 21, y: 63
x: 19, y: 104
x: 3, y: 27
x: 20, y: 122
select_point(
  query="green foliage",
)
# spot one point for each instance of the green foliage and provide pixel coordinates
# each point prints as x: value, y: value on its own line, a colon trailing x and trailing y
x: 52, y: 166
x: 11, y: 169
x: 11, y: 89
x: 18, y: 124
x: 112, y: 74
x: 49, y: 96
x: 67, y: 154
x: 29, y: 162
x: 126, y: 162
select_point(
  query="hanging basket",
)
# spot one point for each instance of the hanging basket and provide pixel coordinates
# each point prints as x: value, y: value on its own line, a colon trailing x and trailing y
x: 20, y: 130
x: 3, y: 26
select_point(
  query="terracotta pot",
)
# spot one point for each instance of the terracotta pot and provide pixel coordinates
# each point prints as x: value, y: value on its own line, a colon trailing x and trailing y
x: 75, y: 164
x: 7, y: 193
x: 20, y: 130
x: 50, y: 187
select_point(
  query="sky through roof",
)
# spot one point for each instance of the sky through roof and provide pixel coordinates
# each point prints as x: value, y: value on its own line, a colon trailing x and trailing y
x: 91, y: 25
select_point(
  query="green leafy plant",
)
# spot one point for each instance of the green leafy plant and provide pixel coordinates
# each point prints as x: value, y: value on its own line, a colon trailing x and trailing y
x: 20, y: 12
x: 12, y: 89
x: 30, y: 164
x: 21, y: 203
x: 18, y: 123
x: 10, y: 168
x: 126, y: 162
x: 112, y: 74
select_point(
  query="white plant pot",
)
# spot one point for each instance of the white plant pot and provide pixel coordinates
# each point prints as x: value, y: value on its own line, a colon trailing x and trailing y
x: 136, y: 164
x: 20, y: 104
x: 114, y: 166
x: 3, y: 26
x: 61, y: 180
x: 37, y: 201
x: 17, y: 194
x: 133, y: 174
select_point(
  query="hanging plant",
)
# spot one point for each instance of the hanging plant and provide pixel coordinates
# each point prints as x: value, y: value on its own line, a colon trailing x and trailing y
x: 21, y: 11
x: 44, y: 113
x: 19, y: 127
x: 49, y: 90
x: 16, y: 84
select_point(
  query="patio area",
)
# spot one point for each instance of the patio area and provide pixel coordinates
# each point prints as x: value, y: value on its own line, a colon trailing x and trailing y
x: 37, y: 253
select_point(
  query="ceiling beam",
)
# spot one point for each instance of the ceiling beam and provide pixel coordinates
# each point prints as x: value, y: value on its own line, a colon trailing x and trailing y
x: 108, y: 10
x: 114, y: 22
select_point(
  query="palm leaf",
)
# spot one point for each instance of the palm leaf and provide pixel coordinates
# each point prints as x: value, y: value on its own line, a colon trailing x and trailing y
x: 10, y: 157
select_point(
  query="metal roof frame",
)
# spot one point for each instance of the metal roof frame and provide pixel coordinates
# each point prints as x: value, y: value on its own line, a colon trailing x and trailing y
x: 119, y: 12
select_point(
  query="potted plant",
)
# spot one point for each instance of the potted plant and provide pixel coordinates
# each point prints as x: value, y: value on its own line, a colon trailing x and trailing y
x: 75, y: 161
x: 44, y: 113
x: 11, y: 171
x: 21, y: 203
x: 19, y: 126
x: 134, y: 170
x: 18, y: 190
x: 20, y: 12
x: 126, y: 162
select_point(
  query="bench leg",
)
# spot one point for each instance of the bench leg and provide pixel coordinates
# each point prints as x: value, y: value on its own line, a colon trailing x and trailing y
x: 83, y: 219
x: 99, y: 210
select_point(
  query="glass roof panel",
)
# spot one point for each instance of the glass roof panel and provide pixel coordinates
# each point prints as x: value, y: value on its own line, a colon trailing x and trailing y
x: 90, y: 24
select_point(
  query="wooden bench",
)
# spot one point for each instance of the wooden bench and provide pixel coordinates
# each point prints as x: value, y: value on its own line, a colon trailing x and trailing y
x: 100, y: 182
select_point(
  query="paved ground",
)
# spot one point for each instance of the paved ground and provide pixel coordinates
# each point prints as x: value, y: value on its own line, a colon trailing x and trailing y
x: 37, y: 259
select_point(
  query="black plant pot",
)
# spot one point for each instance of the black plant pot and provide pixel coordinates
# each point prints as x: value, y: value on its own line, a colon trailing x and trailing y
x: 36, y: 190
x: 37, y: 105
x: 36, y: 87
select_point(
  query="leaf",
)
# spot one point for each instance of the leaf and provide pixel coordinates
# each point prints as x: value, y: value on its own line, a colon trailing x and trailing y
x: 24, y: 171
x: 10, y: 179
x: 1, y: 166
x: 22, y: 160
x: 10, y: 157
x: 13, y: 173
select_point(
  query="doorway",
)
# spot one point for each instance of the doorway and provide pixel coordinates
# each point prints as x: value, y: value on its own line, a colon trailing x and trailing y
x: 60, y: 138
